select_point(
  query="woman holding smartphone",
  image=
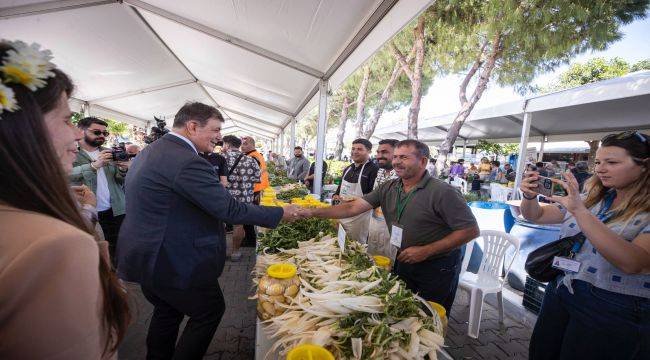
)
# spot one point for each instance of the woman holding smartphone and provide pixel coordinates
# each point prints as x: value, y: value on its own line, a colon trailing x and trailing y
x: 600, y: 307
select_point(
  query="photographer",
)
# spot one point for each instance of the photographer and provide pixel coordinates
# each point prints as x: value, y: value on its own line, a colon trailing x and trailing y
x: 599, y: 307
x: 95, y: 167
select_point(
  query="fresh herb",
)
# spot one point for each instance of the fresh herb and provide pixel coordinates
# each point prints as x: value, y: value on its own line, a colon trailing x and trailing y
x: 287, y: 236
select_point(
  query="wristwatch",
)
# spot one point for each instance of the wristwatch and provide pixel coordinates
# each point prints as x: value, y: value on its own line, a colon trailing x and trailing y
x: 528, y: 198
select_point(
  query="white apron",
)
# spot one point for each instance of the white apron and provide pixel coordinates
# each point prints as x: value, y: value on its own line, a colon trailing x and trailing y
x: 356, y: 227
x: 378, y: 234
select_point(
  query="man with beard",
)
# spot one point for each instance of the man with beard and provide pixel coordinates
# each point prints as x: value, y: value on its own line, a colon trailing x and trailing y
x: 95, y: 168
x: 378, y: 234
x: 298, y: 166
x: 358, y: 180
x: 429, y: 222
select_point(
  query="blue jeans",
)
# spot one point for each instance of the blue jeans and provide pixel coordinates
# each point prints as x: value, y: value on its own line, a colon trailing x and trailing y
x: 590, y: 324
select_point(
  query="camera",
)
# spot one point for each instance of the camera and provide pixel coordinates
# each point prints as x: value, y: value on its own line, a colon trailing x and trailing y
x: 119, y: 153
x: 157, y: 131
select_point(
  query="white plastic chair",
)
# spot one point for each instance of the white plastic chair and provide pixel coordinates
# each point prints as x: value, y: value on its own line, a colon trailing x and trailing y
x: 488, y: 279
x: 499, y: 192
x: 460, y: 183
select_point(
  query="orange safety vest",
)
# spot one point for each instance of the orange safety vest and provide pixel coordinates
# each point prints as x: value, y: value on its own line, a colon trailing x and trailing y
x: 264, y: 178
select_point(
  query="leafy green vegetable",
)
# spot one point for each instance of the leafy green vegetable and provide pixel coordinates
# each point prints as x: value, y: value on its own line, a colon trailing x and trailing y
x: 293, y: 193
x: 287, y: 236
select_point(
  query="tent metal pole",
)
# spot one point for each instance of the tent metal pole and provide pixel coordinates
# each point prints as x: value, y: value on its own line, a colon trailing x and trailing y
x: 292, y: 139
x: 281, y: 149
x: 50, y: 7
x: 85, y: 109
x: 521, y: 160
x: 320, y: 137
x: 540, y: 156
x: 464, y: 147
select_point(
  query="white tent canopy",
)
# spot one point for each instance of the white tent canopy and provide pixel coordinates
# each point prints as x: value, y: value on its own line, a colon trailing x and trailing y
x: 582, y: 113
x: 259, y: 61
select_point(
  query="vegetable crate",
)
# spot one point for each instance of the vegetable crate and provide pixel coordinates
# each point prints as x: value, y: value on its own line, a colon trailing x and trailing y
x: 533, y: 294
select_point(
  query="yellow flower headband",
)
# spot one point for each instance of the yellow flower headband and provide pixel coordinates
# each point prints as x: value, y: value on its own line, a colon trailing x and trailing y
x: 26, y: 65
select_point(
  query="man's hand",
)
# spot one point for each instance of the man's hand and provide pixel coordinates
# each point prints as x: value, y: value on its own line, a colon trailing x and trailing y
x: 529, y: 183
x: 414, y: 254
x: 304, y: 213
x: 123, y: 165
x: 336, y: 198
x: 292, y: 213
x: 103, y: 159
x: 84, y: 195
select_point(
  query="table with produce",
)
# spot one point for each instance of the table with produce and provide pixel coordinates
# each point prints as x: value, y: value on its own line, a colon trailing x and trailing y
x: 317, y: 299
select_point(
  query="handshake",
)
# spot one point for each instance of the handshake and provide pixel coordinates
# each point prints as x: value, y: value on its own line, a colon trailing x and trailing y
x: 295, y: 212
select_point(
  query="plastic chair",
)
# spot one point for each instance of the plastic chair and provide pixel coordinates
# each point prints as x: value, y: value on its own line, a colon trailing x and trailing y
x: 499, y: 192
x: 460, y: 183
x: 488, y: 280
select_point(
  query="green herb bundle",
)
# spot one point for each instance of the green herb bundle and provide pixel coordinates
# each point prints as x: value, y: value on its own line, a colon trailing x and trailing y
x: 287, y: 236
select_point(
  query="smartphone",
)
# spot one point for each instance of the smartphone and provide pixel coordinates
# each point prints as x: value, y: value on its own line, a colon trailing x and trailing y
x: 544, y: 186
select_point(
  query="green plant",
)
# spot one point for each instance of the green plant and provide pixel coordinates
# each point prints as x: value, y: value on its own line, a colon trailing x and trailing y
x: 336, y: 167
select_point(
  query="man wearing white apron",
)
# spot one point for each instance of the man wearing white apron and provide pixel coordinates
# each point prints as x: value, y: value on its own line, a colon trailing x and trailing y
x: 378, y: 234
x: 358, y: 180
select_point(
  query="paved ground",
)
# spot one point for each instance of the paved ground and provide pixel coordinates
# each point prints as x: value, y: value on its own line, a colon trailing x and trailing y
x: 235, y: 338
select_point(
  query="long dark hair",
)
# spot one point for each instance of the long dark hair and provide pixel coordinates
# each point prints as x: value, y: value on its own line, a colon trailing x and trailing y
x: 31, y: 178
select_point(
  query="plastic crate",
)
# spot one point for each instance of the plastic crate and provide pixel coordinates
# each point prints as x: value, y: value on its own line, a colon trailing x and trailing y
x: 533, y: 294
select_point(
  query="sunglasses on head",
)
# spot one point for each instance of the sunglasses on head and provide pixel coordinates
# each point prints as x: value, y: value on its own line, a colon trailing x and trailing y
x: 626, y: 135
x: 99, y: 132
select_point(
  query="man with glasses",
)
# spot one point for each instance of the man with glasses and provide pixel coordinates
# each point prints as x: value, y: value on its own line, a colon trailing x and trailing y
x: 95, y: 168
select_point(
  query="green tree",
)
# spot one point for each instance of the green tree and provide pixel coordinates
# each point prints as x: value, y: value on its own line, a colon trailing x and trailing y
x: 596, y: 69
x: 641, y: 65
x: 512, y: 41
x: 497, y: 149
x: 76, y: 116
x: 420, y: 37
x: 117, y: 127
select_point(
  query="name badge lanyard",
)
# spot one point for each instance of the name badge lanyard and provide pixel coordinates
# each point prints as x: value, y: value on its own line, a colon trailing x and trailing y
x: 603, y: 215
x: 402, y: 205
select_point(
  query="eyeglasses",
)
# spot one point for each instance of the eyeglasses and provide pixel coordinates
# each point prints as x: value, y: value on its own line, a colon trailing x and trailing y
x: 99, y: 132
x: 626, y: 135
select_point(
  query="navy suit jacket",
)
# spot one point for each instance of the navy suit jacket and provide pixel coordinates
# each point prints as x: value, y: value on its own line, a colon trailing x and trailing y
x: 173, y: 233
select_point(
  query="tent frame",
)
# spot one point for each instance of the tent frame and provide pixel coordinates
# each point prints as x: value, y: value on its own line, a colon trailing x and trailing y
x: 381, y: 10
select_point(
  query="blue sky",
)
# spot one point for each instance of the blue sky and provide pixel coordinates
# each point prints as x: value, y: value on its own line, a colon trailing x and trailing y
x: 442, y: 97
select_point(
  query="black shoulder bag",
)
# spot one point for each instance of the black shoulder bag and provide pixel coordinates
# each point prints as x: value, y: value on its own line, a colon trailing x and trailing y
x: 539, y: 263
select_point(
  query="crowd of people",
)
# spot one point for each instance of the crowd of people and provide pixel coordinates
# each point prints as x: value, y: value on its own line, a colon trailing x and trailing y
x: 76, y: 216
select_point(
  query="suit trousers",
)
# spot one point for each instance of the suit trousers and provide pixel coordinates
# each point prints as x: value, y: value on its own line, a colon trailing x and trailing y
x: 250, y: 240
x: 204, y: 307
x: 111, y: 228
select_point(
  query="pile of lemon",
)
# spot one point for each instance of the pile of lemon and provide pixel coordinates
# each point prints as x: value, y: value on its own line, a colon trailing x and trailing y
x: 308, y: 201
x: 269, y: 198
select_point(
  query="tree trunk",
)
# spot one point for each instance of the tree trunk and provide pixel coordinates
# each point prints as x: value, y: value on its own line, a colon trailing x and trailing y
x: 361, y: 100
x: 468, y: 105
x: 338, y: 150
x: 379, y: 109
x: 593, y: 146
x: 416, y: 83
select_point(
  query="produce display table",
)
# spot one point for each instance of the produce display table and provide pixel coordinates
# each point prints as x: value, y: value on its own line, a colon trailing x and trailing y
x: 263, y: 344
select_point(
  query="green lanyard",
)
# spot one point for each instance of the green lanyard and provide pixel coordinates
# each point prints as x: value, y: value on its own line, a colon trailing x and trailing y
x: 401, y: 206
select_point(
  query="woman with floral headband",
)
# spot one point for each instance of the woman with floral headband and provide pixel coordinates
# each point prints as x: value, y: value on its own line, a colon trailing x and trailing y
x: 58, y: 297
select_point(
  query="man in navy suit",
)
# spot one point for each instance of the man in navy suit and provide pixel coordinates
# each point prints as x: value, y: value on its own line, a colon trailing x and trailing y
x: 172, y: 241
